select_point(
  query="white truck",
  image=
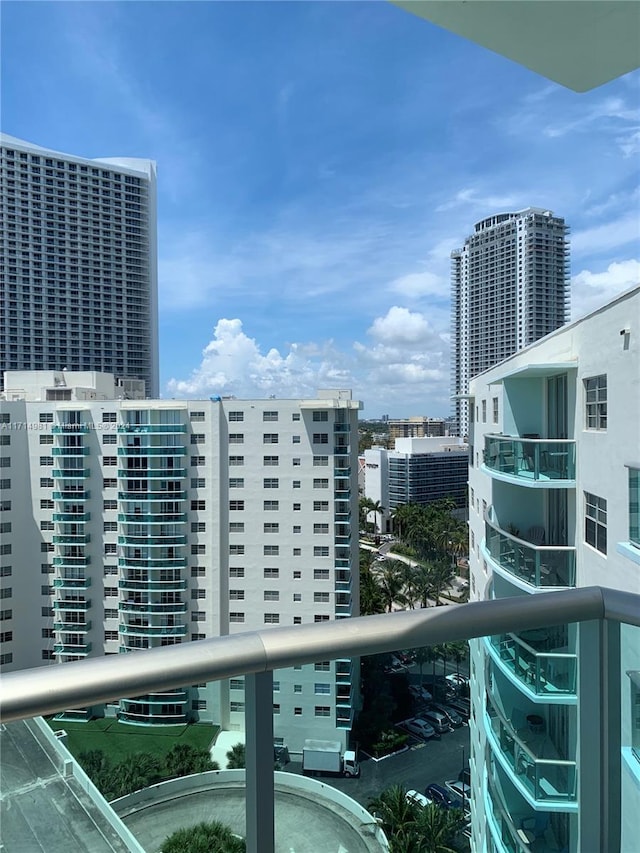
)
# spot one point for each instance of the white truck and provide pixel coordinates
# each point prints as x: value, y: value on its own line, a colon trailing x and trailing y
x: 326, y: 756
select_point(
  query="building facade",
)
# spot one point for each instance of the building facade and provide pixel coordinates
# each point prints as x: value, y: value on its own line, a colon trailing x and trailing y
x: 553, y: 497
x: 132, y: 524
x: 79, y: 284
x: 509, y: 287
x: 417, y: 471
x: 416, y: 427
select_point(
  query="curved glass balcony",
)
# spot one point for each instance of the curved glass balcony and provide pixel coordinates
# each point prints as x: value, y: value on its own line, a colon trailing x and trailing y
x: 530, y: 460
x: 72, y: 583
x: 149, y: 718
x: 153, y: 451
x: 67, y: 494
x: 151, y: 473
x: 151, y: 428
x: 546, y: 779
x: 159, y: 698
x: 70, y: 451
x: 152, y: 607
x: 68, y: 649
x: 541, y: 668
x: 154, y: 630
x: 73, y: 517
x: 540, y: 566
x: 160, y: 518
x: 166, y: 563
x: 152, y: 541
x: 156, y: 495
x: 75, y: 627
x: 160, y: 584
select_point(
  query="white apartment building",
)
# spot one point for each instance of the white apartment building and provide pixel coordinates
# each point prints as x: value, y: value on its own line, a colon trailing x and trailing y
x: 416, y: 471
x: 78, y: 276
x: 131, y: 524
x: 509, y: 287
x: 553, y: 496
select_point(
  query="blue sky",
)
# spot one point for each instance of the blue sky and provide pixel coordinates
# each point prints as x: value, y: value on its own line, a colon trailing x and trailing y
x: 317, y: 162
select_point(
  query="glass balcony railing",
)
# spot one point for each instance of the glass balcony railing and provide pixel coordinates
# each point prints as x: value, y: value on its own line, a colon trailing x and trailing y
x: 73, y: 627
x: 152, y: 541
x: 160, y: 518
x: 165, y: 563
x: 155, y: 495
x: 159, y: 584
x: 72, y: 517
x: 342, y: 427
x: 71, y: 473
x: 152, y: 607
x: 152, y: 451
x: 72, y: 604
x: 71, y: 583
x: 70, y: 451
x: 545, y: 779
x: 342, y: 472
x: 530, y: 459
x: 154, y: 630
x: 71, y: 561
x: 80, y: 494
x: 507, y: 837
x: 541, y: 566
x: 151, y: 473
x: 151, y: 428
x: 71, y: 538
x: 546, y: 673
x: 158, y: 698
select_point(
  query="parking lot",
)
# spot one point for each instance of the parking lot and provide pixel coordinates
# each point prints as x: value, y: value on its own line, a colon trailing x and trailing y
x: 423, y: 763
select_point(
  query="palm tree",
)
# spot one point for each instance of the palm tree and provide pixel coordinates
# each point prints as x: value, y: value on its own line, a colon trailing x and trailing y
x: 442, y: 576
x: 184, y: 759
x: 377, y: 509
x: 439, y: 828
x: 371, y: 599
x: 365, y: 506
x: 423, y: 580
x: 459, y: 651
x: 236, y: 757
x: 395, y: 811
x: 411, y: 591
x: 213, y: 837
x: 391, y: 581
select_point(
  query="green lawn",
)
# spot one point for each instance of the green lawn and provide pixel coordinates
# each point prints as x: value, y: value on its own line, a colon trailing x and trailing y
x: 119, y: 740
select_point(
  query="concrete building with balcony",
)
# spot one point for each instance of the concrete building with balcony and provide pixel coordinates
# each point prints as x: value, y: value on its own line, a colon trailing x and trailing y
x: 134, y: 524
x: 509, y: 287
x: 417, y: 471
x: 553, y: 498
x: 415, y: 427
x: 79, y: 283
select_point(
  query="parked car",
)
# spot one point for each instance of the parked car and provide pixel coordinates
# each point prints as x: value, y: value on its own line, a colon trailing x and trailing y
x: 417, y: 798
x: 462, y: 706
x: 438, y: 721
x: 456, y: 678
x: 420, y: 693
x: 420, y: 727
x: 441, y: 797
x: 462, y: 792
x: 450, y: 713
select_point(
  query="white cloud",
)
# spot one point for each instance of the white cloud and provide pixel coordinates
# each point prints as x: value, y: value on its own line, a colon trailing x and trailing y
x: 604, y: 238
x: 472, y: 198
x: 400, y: 325
x: 590, y: 290
x: 418, y: 284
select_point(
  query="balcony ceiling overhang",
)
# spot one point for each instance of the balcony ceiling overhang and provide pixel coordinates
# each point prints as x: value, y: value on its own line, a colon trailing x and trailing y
x: 580, y: 44
x: 530, y: 371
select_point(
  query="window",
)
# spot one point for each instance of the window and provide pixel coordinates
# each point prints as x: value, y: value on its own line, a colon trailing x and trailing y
x: 595, y: 390
x: 110, y: 526
x: 276, y: 708
x: 271, y: 550
x: 296, y: 484
x: 297, y: 552
x: 197, y: 438
x: 297, y: 528
x: 7, y: 657
x: 45, y: 439
x: 109, y: 439
x: 322, y: 711
x: 198, y: 504
x: 270, y: 438
x: 198, y: 616
x: 236, y: 594
x: 46, y: 417
x: 109, y: 417
x: 237, y: 706
x: 484, y: 411
x: 198, y: 571
x: 270, y: 482
x: 322, y: 688
x: 236, y: 505
x: 198, y: 527
x: 297, y: 507
x: 495, y: 410
x: 271, y: 573
x: 320, y: 417
x: 198, y: 704
x: 199, y: 460
x: 321, y: 574
x: 110, y: 504
x: 321, y: 617
x: 321, y: 483
x: 321, y: 461
x: 233, y: 460
x: 320, y: 528
x: 110, y: 613
x: 46, y: 483
x: 269, y: 416
x: 236, y: 549
x: 297, y: 596
x: 236, y: 482
x: 271, y: 595
x: 295, y: 416
x: 198, y: 549
x: 236, y: 417
x: 109, y: 483
x: 236, y: 616
x: 297, y: 712
x: 198, y: 594
x: 297, y: 620
x: 236, y: 683
x: 321, y: 506
x: 236, y: 438
x: 322, y: 666
x: 111, y: 635
x: 270, y: 506
x: 595, y: 522
x: 321, y: 597
x: 110, y: 548
x: 271, y: 460
x: 236, y: 571
x: 271, y: 527
x: 321, y: 438
x: 236, y: 527
x: 296, y: 461
x: 271, y: 618
x: 634, y: 506
x: 320, y: 550
x: 45, y: 503
x: 634, y: 677
x: 196, y: 416
x: 46, y: 460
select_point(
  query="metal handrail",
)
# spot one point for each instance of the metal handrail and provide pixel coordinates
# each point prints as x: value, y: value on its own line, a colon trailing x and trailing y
x: 51, y: 689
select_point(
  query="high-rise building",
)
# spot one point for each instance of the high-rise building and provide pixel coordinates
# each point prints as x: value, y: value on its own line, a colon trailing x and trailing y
x: 415, y: 427
x: 132, y: 524
x: 553, y: 504
x: 509, y: 287
x: 78, y: 287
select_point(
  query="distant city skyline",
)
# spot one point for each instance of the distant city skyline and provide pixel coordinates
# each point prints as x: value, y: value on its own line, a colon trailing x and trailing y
x: 315, y: 170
